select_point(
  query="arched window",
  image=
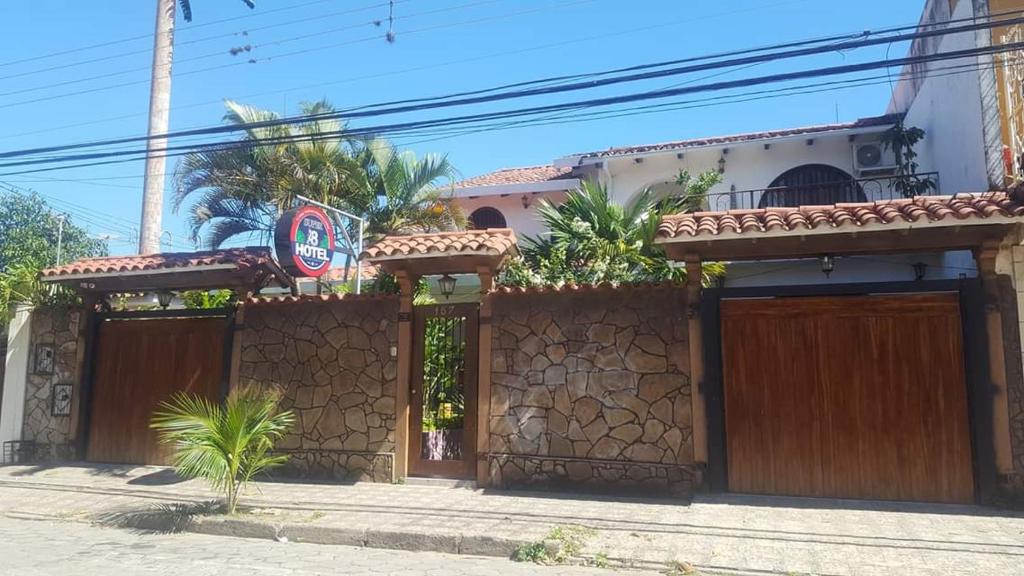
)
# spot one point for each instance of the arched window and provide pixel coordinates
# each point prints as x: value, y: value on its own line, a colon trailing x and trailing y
x: 487, y: 217
x: 812, y: 184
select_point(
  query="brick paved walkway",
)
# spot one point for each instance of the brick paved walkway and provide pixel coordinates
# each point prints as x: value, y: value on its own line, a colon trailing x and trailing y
x: 738, y: 533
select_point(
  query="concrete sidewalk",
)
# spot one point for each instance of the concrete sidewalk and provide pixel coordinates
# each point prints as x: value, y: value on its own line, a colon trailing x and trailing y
x: 728, y: 534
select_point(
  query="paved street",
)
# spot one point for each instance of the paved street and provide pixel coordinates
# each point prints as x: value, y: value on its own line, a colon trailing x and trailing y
x: 728, y: 533
x: 51, y: 548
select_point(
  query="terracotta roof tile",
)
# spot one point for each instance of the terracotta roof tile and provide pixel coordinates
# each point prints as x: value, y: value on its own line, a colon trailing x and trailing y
x: 241, y: 257
x: 516, y: 176
x: 312, y: 298
x: 921, y: 208
x: 493, y: 242
x: 737, y: 138
x: 585, y: 288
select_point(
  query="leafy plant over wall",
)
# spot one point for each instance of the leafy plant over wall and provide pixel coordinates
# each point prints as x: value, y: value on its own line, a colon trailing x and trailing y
x: 593, y: 239
x: 201, y: 299
x: 901, y: 140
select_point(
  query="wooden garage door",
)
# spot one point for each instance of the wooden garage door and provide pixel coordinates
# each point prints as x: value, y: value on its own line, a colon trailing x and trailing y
x: 140, y: 363
x: 854, y: 397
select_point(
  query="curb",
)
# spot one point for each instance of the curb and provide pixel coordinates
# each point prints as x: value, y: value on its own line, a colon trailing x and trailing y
x: 450, y: 543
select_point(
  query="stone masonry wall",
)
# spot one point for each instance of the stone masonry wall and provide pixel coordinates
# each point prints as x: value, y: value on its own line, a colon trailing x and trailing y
x: 590, y: 389
x: 333, y: 358
x: 54, y: 435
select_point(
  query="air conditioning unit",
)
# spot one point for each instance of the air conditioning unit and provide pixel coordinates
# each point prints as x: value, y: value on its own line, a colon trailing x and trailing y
x: 871, y: 158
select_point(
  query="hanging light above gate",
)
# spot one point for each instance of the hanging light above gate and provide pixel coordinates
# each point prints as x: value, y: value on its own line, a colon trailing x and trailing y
x: 164, y: 298
x: 447, y: 285
x: 828, y: 264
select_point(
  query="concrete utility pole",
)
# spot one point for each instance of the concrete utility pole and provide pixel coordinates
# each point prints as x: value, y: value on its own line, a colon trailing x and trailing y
x: 159, y: 117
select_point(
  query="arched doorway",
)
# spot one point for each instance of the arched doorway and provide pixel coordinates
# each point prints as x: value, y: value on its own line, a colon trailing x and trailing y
x: 487, y: 217
x: 812, y: 184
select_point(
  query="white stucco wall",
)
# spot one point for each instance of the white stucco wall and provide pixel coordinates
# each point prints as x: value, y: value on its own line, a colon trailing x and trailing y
x: 749, y: 166
x: 12, y: 406
x: 948, y: 107
x: 851, y: 269
x: 523, y: 220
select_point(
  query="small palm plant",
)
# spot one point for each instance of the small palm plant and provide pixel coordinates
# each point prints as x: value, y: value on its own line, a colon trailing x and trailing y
x: 227, y: 445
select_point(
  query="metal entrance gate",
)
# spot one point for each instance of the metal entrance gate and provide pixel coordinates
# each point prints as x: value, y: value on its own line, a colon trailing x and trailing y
x: 443, y: 398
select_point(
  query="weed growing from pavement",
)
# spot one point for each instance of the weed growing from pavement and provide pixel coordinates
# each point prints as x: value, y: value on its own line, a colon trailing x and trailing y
x: 560, y: 545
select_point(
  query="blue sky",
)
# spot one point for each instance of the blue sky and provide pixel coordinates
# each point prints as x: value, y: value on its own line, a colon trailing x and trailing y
x: 304, y: 50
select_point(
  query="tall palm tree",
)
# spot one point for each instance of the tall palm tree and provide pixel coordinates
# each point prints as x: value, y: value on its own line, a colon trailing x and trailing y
x: 159, y: 117
x: 404, y: 194
x: 241, y: 190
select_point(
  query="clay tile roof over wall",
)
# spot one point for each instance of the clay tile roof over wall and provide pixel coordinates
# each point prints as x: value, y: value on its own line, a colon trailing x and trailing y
x: 524, y: 175
x: 490, y: 242
x: 961, y: 207
x: 239, y: 257
x: 738, y: 138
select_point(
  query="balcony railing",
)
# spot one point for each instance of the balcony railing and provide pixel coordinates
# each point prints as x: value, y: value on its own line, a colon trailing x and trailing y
x: 873, y: 189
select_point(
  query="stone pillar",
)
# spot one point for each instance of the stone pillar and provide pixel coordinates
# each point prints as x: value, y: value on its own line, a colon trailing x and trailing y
x: 19, y: 340
x: 986, y: 259
x: 483, y: 404
x: 407, y: 286
x: 693, y: 298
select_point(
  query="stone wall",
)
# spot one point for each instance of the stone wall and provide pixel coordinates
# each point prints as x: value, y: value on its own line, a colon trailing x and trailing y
x: 590, y: 389
x: 54, y: 435
x: 334, y: 358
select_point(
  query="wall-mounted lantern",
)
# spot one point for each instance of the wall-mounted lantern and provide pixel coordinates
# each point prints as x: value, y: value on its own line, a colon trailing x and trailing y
x: 828, y: 264
x: 920, y: 269
x: 164, y: 298
x: 447, y: 285
x: 721, y: 164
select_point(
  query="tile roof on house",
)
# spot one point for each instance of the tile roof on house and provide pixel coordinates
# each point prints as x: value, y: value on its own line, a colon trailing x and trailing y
x: 239, y: 257
x: 921, y: 209
x: 523, y: 175
x: 737, y: 138
x: 490, y: 242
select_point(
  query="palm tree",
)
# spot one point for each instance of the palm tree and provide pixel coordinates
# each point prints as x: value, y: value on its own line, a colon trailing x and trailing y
x: 228, y: 445
x: 404, y: 194
x: 593, y: 239
x: 243, y: 189
x: 159, y: 117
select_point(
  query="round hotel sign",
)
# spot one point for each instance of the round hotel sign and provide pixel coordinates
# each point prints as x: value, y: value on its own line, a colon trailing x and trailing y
x: 304, y: 239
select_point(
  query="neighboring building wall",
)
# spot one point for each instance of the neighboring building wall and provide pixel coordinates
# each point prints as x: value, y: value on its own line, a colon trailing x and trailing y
x: 54, y: 435
x: 334, y: 360
x: 590, y: 389
x: 749, y: 166
x: 524, y: 220
x: 948, y: 107
x: 1010, y: 266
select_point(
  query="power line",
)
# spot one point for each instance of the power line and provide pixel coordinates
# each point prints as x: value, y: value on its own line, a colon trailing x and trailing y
x: 267, y: 58
x: 634, y: 97
x: 178, y: 43
x: 488, y: 95
x: 256, y: 14
x: 224, y: 146
x: 478, y: 58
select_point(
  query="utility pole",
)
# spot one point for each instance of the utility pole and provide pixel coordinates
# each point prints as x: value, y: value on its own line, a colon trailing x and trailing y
x: 159, y: 117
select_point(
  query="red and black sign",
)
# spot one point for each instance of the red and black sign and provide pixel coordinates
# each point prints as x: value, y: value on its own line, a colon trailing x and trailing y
x: 304, y: 239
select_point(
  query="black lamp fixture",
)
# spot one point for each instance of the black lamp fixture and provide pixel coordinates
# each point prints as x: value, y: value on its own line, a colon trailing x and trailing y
x: 447, y: 285
x: 721, y: 164
x: 920, y: 269
x: 828, y: 264
x: 164, y: 298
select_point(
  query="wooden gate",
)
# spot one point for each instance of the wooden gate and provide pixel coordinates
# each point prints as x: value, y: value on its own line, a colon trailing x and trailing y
x: 443, y: 398
x: 140, y: 363
x: 859, y: 397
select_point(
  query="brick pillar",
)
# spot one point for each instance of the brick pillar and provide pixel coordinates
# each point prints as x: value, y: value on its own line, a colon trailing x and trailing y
x: 693, y: 296
x: 407, y: 285
x: 483, y: 404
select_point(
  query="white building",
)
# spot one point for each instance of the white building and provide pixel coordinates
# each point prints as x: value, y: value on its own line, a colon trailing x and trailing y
x: 966, y: 108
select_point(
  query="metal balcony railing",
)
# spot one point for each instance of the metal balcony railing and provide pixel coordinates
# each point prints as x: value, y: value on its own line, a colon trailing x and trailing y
x: 873, y: 189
